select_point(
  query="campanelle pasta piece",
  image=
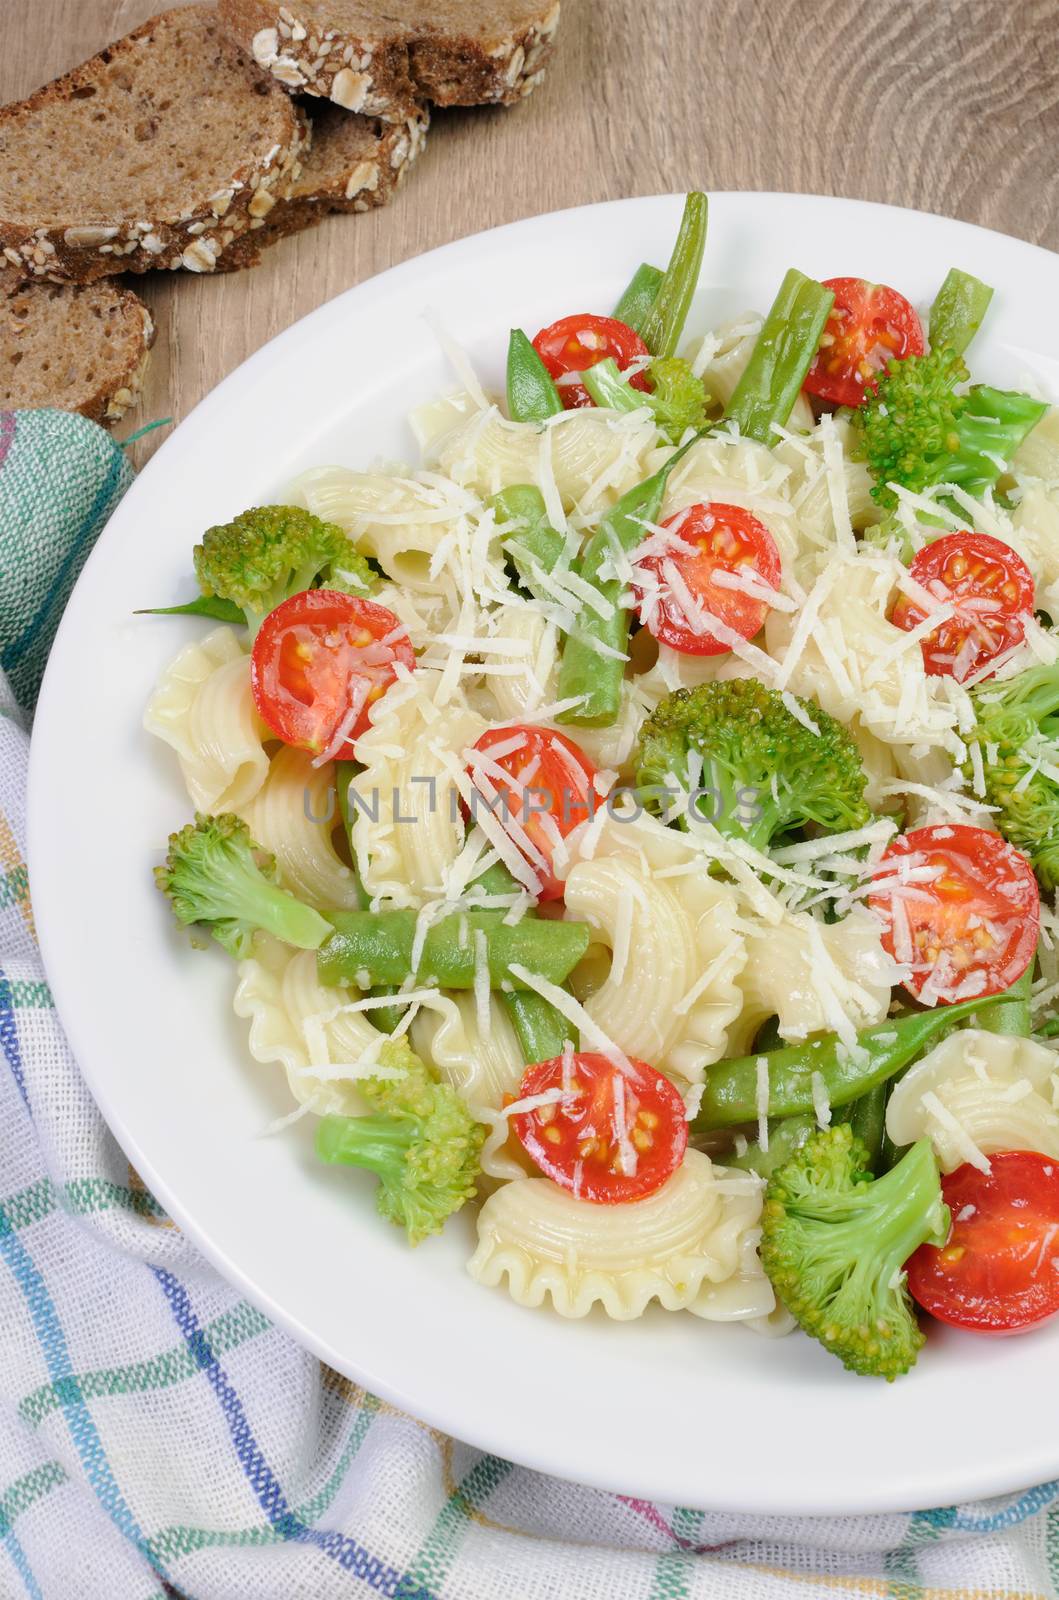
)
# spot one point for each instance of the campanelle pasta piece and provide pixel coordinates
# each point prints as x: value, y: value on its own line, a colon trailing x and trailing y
x: 976, y: 1093
x: 203, y: 708
x: 676, y: 1246
x: 671, y: 989
x: 297, y: 1023
x: 811, y: 975
x: 407, y: 829
x: 293, y: 815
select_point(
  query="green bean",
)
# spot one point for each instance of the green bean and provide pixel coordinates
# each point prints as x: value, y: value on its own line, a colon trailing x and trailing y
x: 639, y: 297
x: 585, y: 673
x: 385, y: 1018
x: 536, y: 541
x: 958, y: 309
x: 374, y: 949
x: 867, y: 1118
x: 206, y: 605
x: 731, y: 1095
x: 540, y: 1028
x: 664, y: 322
x: 785, y: 1137
x: 783, y: 354
x: 531, y: 392
x: 1011, y: 1013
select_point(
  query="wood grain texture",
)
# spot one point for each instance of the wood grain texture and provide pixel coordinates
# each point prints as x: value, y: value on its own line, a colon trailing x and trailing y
x: 945, y: 105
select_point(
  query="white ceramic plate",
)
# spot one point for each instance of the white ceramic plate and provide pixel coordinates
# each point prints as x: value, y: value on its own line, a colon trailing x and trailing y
x: 666, y: 1408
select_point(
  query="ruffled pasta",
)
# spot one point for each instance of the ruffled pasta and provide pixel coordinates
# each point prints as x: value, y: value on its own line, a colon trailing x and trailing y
x: 407, y: 828
x: 204, y: 709
x: 687, y: 1241
x: 481, y: 1066
x: 976, y: 1093
x: 591, y: 457
x: 812, y: 975
x: 299, y: 1025
x: 294, y: 815
x: 665, y: 939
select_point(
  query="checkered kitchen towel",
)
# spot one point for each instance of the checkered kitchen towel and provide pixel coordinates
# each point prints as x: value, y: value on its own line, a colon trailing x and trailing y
x: 158, y: 1436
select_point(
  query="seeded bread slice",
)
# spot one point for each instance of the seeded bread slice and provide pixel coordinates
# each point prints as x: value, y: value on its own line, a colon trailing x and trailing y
x: 380, y: 57
x: 158, y: 152
x: 77, y: 347
x: 354, y: 164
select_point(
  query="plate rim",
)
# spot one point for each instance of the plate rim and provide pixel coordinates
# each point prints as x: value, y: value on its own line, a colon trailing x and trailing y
x: 973, y: 1484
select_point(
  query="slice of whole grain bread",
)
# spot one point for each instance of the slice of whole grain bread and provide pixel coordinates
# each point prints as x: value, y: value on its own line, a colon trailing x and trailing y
x: 354, y: 164
x: 380, y: 57
x: 77, y: 347
x: 158, y: 152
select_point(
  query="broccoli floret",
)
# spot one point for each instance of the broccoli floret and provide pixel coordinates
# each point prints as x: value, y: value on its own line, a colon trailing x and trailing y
x: 216, y: 876
x: 917, y: 431
x: 834, y: 1242
x: 265, y: 555
x: 678, y: 398
x: 419, y: 1139
x: 1020, y: 717
x: 763, y: 773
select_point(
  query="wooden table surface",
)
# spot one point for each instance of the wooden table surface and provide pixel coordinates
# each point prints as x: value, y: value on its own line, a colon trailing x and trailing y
x: 944, y: 105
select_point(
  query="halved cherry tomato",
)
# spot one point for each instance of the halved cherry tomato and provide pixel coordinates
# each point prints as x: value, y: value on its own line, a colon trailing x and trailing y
x: 992, y: 590
x: 320, y: 661
x: 960, y: 907
x: 870, y: 325
x: 615, y: 1135
x: 574, y: 343
x: 546, y: 781
x: 998, y: 1272
x: 705, y: 541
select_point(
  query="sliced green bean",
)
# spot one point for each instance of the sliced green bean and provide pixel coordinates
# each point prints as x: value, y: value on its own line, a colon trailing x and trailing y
x: 959, y: 307
x: 593, y: 677
x: 639, y: 297
x: 664, y: 322
x: 1011, y: 1012
x: 535, y: 539
x: 867, y: 1118
x: 374, y: 949
x: 531, y: 392
x: 542, y: 1031
x: 731, y: 1094
x: 785, y: 1137
x: 781, y: 357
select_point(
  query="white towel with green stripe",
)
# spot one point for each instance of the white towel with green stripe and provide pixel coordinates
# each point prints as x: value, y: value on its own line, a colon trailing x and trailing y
x: 159, y: 1437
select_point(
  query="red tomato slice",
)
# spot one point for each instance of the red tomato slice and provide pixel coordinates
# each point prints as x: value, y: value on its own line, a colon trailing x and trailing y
x: 616, y: 1135
x: 546, y: 781
x: 704, y: 542
x: 961, y: 907
x: 992, y: 590
x: 320, y: 661
x: 574, y: 343
x: 998, y: 1272
x: 870, y: 325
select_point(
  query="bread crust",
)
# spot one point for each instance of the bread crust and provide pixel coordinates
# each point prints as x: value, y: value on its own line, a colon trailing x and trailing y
x: 83, y: 248
x: 367, y: 179
x: 52, y: 316
x: 382, y: 67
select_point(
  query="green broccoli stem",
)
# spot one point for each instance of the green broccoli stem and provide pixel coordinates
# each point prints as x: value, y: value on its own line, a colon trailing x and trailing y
x: 609, y: 387
x: 640, y: 295
x: 959, y: 307
x: 270, y: 908
x: 375, y: 949
x: 782, y: 355
x: 531, y: 392
x: 906, y: 1211
x: 994, y: 425
x: 1012, y: 1011
x: 378, y: 1141
x: 535, y: 543
x: 595, y: 680
x: 664, y: 322
x: 731, y: 1095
